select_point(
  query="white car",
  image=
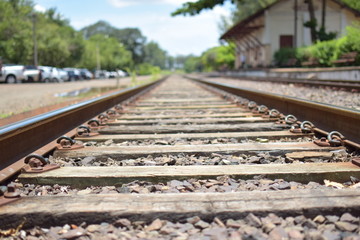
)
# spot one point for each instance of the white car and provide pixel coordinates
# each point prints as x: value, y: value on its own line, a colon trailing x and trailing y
x: 51, y: 74
x: 12, y: 73
x: 113, y: 74
x: 101, y: 74
x: 63, y: 74
x: 32, y: 74
x: 121, y: 73
x: 46, y: 75
x: 57, y: 75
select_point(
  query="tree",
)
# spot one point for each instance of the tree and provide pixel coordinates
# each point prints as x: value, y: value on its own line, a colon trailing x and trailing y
x: 112, y: 54
x: 353, y: 3
x: 132, y: 38
x: 193, y: 64
x: 243, y: 9
x: 154, y: 55
x: 15, y: 27
x: 194, y: 8
x: 218, y: 58
x: 58, y: 43
x: 133, y: 41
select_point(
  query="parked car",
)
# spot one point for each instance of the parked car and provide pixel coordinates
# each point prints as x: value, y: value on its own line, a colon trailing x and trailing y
x: 50, y: 74
x: 85, y: 74
x: 32, y: 74
x: 45, y: 73
x: 63, y: 74
x: 101, y: 74
x: 10, y: 73
x: 73, y: 74
x: 113, y: 74
x: 122, y: 73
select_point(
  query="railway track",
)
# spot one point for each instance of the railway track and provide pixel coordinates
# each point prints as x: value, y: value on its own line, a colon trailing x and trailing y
x: 183, y: 160
x: 343, y: 84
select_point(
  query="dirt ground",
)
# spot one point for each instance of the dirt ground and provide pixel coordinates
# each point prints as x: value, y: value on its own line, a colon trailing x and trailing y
x: 18, y: 101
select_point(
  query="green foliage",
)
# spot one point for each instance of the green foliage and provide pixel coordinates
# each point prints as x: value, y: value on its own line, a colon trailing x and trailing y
x: 112, y: 54
x: 147, y: 69
x: 245, y: 8
x: 154, y: 55
x: 322, y: 35
x: 351, y: 43
x: 193, y: 64
x: 302, y: 54
x: 194, y: 8
x: 325, y: 52
x: 353, y: 3
x: 15, y: 27
x: 284, y: 56
x: 133, y: 41
x: 219, y: 58
x: 353, y: 38
x: 132, y: 38
x: 328, y: 51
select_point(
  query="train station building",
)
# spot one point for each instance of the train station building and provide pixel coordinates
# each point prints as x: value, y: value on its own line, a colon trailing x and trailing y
x: 281, y: 25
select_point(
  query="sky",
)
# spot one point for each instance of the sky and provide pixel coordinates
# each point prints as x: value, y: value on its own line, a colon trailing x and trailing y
x: 177, y: 35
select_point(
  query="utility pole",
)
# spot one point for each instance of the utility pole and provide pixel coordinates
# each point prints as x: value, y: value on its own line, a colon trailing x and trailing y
x: 35, y: 39
x: 295, y: 23
x: 98, y: 64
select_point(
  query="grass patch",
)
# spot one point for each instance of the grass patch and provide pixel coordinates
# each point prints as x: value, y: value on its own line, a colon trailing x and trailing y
x: 5, y: 115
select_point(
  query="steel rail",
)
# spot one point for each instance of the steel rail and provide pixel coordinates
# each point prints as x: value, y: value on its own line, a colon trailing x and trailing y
x: 340, y: 84
x: 324, y: 116
x: 22, y: 138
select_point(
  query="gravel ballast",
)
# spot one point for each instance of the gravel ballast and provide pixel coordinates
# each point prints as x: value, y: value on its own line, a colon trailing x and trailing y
x: 324, y: 95
x: 219, y: 185
x: 344, y: 226
x: 213, y: 159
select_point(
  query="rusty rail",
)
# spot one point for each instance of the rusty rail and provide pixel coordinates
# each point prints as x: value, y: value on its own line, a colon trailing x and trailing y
x: 324, y: 116
x: 22, y: 138
x: 339, y: 84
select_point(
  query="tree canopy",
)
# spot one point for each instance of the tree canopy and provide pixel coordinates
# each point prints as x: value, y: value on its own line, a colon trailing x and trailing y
x: 132, y: 38
x: 194, y: 8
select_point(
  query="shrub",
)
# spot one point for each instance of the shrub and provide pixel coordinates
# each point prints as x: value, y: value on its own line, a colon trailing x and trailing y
x: 328, y: 51
x: 303, y: 54
x: 219, y: 58
x: 147, y: 69
x: 352, y: 41
x: 325, y: 52
x: 283, y: 57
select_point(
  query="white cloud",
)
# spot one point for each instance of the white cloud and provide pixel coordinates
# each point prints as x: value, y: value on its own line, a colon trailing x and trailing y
x: 125, y: 3
x: 39, y: 8
x: 121, y: 3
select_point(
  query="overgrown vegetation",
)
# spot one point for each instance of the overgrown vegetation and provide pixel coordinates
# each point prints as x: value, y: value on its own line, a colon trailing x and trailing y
x: 219, y: 58
x: 325, y: 52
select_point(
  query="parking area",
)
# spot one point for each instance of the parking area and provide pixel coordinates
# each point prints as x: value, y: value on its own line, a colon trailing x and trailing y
x: 20, y: 98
